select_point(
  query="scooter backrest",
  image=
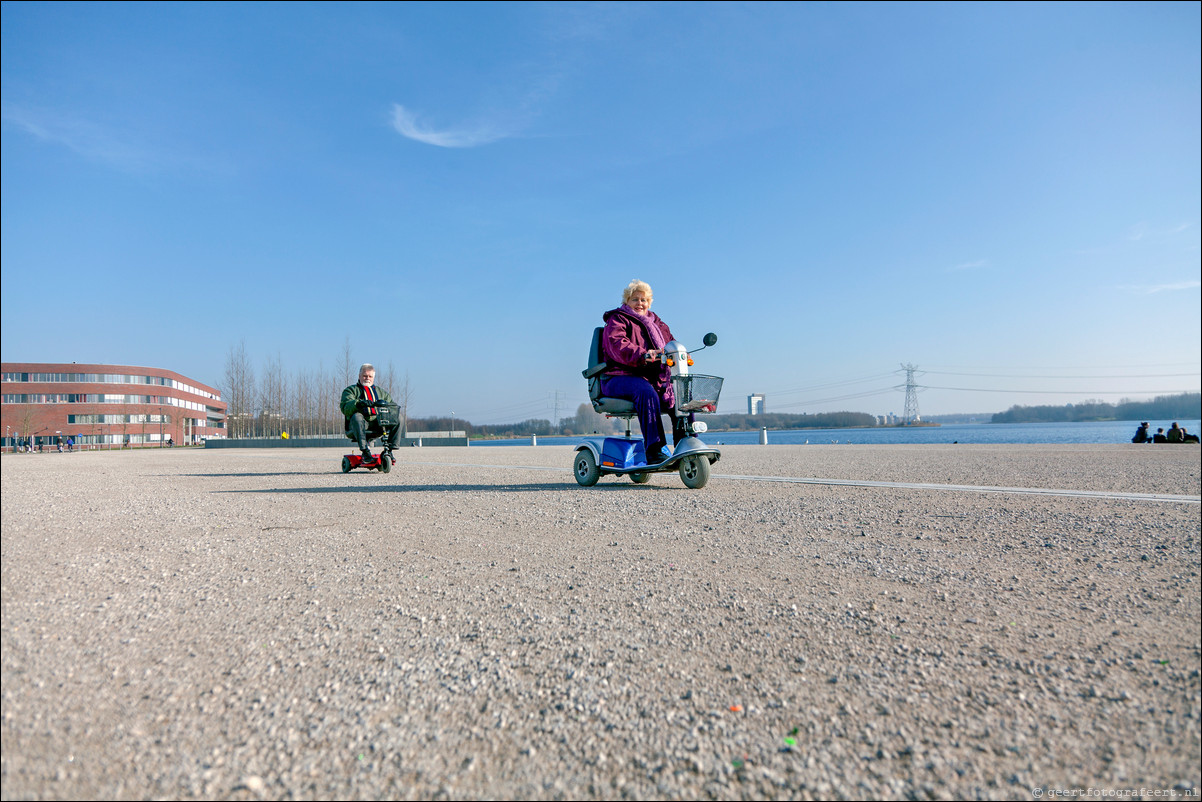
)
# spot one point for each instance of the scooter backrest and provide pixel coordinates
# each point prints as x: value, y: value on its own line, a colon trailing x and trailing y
x: 618, y: 407
x: 595, y: 365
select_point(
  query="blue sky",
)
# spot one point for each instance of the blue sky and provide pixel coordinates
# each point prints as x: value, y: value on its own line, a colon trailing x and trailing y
x: 1006, y: 196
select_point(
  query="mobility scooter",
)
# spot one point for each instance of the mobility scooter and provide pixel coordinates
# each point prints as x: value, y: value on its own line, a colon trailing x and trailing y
x: 625, y: 456
x: 388, y: 417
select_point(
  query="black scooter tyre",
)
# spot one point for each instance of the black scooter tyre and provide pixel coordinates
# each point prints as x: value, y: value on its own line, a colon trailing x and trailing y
x: 695, y: 471
x: 585, y: 468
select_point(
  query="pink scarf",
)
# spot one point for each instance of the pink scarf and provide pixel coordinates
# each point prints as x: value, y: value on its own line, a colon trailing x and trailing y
x: 657, y: 336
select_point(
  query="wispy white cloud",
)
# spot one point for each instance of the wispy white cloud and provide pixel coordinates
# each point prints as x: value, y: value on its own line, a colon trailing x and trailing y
x: 408, y: 125
x: 1152, y: 289
x: 84, y: 137
x: 1143, y: 230
x: 977, y: 265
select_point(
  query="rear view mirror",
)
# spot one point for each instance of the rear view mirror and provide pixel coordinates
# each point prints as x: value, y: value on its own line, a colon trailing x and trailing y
x: 709, y: 339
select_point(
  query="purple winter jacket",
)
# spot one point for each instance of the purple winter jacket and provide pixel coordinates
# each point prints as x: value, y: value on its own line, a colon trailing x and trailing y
x: 625, y: 341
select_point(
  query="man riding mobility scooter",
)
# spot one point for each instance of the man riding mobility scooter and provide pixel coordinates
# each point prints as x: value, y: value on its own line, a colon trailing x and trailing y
x: 370, y: 414
x: 625, y: 456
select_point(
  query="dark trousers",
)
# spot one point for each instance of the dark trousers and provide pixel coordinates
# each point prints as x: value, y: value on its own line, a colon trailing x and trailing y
x: 362, y: 431
x: 647, y: 405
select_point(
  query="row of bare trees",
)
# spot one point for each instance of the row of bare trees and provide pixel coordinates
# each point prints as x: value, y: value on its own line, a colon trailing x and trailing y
x: 304, y: 403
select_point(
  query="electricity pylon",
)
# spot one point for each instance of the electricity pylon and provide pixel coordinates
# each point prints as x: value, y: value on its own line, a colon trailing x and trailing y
x: 910, y: 415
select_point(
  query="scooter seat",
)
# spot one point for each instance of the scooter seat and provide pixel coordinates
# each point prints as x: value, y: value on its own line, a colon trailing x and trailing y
x: 613, y: 406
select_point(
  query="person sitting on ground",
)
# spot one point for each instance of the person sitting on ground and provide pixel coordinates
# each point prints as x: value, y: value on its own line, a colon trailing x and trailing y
x: 1186, y: 437
x: 632, y: 345
x: 1174, y: 435
x: 359, y: 405
x: 1141, y: 434
x: 1159, y: 436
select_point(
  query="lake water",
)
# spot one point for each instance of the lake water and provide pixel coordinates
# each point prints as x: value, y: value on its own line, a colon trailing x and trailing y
x: 1100, y: 432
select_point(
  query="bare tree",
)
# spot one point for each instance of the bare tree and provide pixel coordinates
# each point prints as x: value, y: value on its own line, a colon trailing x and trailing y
x: 346, y: 362
x: 329, y: 394
x: 271, y: 398
x: 308, y: 387
x: 384, y: 376
x: 402, y: 397
x: 336, y: 385
x: 239, y: 391
x: 301, y: 399
x: 27, y: 418
x: 388, y: 380
x: 587, y: 420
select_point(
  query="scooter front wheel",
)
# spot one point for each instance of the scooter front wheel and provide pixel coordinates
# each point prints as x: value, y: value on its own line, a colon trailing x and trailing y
x: 385, y: 463
x: 695, y: 471
x: 585, y: 468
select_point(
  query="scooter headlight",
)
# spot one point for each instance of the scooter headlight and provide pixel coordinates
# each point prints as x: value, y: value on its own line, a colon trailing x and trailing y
x: 700, y: 427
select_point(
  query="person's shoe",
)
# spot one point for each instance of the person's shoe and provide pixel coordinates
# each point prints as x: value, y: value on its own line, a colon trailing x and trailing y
x: 661, y: 454
x: 366, y: 453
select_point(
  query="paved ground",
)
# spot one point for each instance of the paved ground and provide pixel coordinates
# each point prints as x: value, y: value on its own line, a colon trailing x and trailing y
x: 243, y: 624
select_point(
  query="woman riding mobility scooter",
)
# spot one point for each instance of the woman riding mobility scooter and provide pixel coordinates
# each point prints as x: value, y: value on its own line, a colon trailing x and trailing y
x: 625, y: 456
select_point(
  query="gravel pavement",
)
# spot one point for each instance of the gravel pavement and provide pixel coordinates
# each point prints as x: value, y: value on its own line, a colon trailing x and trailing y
x: 255, y: 624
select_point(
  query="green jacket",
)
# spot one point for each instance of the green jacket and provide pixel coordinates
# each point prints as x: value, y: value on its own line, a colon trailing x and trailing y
x: 352, y: 395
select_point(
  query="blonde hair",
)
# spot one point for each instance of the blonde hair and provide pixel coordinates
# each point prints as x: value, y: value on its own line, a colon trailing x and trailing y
x: 636, y: 286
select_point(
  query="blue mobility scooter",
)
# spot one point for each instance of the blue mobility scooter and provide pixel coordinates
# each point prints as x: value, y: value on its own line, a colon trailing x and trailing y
x: 388, y: 416
x: 625, y: 456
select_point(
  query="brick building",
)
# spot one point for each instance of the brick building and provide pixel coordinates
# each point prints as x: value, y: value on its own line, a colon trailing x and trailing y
x: 106, y: 405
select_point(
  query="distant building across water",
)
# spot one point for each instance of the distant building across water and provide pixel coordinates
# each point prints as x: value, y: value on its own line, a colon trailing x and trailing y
x: 755, y: 404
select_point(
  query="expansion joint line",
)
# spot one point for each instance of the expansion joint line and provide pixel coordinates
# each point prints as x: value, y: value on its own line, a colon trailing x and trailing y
x: 803, y: 480
x: 1029, y: 491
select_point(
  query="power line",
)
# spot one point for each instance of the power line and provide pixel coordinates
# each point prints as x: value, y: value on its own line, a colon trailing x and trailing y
x: 825, y: 385
x: 1077, y: 366
x: 523, y: 408
x: 1028, y: 376
x: 831, y: 399
x: 923, y: 387
x: 1060, y: 392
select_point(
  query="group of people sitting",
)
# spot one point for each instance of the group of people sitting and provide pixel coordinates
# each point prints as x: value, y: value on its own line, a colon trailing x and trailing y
x: 1176, y: 434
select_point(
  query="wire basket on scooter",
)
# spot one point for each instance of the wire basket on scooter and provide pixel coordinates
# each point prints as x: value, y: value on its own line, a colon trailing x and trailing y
x: 697, y: 393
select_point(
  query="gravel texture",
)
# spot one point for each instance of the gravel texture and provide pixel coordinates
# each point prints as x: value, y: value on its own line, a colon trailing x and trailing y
x: 255, y: 624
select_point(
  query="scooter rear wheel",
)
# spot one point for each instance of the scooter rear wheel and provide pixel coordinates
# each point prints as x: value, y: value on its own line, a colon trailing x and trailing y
x: 695, y: 471
x: 346, y: 464
x: 585, y: 468
x: 640, y: 478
